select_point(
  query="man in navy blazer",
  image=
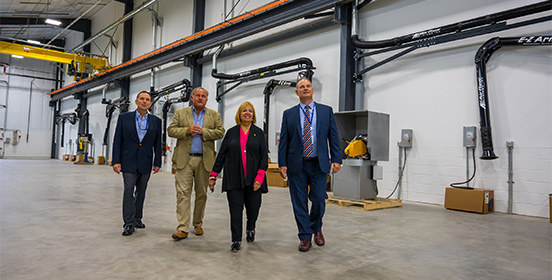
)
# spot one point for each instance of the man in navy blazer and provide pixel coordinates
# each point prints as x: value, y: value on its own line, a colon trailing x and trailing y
x: 303, y: 158
x: 137, y: 137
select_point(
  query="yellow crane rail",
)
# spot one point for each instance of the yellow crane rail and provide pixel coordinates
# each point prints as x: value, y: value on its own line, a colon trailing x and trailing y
x: 77, y: 63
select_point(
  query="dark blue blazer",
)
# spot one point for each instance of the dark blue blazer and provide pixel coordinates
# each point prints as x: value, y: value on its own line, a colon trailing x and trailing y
x: 290, y: 148
x: 127, y: 149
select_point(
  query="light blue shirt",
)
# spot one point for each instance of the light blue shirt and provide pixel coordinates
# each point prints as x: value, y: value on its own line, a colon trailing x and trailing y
x: 141, y: 125
x: 312, y: 112
x: 197, y: 146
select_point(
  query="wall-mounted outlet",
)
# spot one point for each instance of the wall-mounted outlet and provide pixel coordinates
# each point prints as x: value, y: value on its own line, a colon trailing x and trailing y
x: 470, y: 133
x: 406, y: 138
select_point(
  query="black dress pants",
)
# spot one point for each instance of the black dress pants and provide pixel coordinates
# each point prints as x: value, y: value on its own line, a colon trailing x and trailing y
x: 133, y: 196
x: 236, y: 200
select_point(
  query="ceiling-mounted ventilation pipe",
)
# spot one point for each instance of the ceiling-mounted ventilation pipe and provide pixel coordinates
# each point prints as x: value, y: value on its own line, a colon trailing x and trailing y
x: 455, y: 27
x: 481, y: 58
x: 119, y: 21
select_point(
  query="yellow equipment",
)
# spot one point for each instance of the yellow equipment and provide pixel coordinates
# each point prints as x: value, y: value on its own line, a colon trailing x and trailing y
x: 77, y: 64
x: 356, y: 147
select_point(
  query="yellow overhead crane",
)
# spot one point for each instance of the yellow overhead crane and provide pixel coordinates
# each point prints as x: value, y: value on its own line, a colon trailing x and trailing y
x: 77, y: 64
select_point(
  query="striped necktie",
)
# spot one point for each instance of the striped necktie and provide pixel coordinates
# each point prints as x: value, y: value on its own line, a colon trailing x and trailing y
x: 307, y: 137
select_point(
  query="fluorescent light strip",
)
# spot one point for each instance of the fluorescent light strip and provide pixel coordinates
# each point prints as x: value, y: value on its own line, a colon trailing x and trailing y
x: 34, y: 42
x: 16, y: 56
x: 53, y: 22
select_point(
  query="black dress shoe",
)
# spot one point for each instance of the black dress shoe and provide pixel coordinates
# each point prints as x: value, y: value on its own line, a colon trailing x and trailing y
x: 250, y: 236
x: 305, y: 245
x: 236, y: 246
x: 139, y: 224
x: 128, y: 230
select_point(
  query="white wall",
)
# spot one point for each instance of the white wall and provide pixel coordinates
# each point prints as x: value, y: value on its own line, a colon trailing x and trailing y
x: 434, y: 92
x: 36, y: 128
x: 431, y: 91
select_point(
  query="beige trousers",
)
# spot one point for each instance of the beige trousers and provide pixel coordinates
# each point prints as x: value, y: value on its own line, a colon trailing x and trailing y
x: 193, y: 175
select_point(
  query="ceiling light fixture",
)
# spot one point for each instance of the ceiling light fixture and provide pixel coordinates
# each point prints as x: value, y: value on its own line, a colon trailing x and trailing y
x: 34, y: 42
x: 53, y: 22
x: 16, y: 56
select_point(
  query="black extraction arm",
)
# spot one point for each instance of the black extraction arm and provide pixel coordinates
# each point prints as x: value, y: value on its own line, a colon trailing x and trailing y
x: 71, y: 117
x: 304, y: 65
x: 184, y: 97
x: 119, y: 103
x: 184, y: 85
x: 454, y: 27
x: 482, y: 56
x: 268, y: 90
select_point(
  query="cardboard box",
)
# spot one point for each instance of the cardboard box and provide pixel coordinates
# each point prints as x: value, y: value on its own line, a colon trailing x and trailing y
x: 66, y: 157
x: 273, y: 177
x: 471, y: 200
x: 101, y: 160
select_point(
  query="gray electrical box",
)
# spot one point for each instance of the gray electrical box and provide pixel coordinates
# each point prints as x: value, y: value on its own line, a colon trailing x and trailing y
x: 406, y: 138
x: 470, y: 133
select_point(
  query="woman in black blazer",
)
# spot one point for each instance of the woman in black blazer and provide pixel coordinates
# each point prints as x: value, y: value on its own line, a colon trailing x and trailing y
x: 244, y: 157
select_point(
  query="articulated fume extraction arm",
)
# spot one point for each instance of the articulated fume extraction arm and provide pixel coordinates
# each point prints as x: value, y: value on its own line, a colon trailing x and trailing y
x: 482, y: 56
x: 454, y: 27
x: 185, y: 87
x: 71, y: 117
x: 303, y: 64
x: 268, y: 90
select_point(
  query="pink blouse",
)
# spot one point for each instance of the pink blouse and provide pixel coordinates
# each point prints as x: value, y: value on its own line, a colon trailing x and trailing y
x: 243, y: 144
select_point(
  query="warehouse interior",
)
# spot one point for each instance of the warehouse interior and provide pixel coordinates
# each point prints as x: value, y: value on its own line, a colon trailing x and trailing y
x: 427, y: 77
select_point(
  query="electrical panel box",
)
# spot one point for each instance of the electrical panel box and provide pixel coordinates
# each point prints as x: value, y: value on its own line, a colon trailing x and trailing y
x: 16, y: 137
x: 470, y: 133
x: 406, y: 138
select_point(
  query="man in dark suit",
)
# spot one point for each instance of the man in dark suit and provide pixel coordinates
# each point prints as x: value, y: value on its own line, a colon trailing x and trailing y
x: 303, y: 158
x: 137, y: 136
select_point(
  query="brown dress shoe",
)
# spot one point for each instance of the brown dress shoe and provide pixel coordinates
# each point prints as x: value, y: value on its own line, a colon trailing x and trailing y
x: 179, y: 235
x: 305, y: 245
x: 198, y: 230
x: 319, y: 238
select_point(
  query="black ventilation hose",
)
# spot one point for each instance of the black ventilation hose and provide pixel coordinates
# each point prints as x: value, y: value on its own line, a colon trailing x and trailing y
x: 455, y: 27
x: 481, y: 57
x: 302, y: 62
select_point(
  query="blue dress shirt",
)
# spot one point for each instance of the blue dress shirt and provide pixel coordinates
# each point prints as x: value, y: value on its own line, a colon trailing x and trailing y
x: 197, y: 146
x: 141, y: 125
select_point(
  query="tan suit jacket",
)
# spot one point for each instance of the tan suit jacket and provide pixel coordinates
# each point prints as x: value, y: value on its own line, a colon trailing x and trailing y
x: 212, y: 130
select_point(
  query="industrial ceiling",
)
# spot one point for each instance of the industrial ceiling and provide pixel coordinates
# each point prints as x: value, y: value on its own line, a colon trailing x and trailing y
x: 24, y: 20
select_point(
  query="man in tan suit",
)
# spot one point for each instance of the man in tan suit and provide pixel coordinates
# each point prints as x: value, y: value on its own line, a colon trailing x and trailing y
x: 196, y: 128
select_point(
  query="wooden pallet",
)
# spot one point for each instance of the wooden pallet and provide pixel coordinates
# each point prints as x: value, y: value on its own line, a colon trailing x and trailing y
x: 379, y: 203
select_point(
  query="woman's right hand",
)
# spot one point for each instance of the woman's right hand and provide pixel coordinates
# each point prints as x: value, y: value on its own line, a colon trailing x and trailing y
x: 212, y: 185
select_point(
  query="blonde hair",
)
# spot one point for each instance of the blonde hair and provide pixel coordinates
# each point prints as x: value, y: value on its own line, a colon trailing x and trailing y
x: 240, y: 109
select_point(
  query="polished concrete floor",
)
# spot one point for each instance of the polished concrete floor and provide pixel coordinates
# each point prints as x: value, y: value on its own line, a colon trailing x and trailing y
x: 63, y: 221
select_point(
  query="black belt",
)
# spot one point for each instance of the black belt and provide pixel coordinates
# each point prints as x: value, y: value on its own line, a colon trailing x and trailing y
x: 196, y: 155
x: 307, y: 159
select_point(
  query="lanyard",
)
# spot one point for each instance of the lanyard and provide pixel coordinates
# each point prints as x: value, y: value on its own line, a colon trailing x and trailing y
x: 139, y: 120
x: 309, y: 119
